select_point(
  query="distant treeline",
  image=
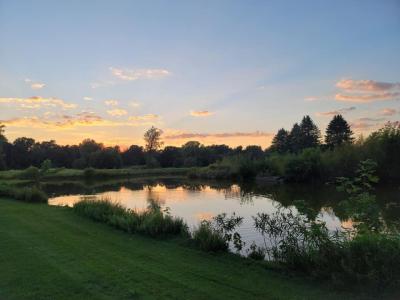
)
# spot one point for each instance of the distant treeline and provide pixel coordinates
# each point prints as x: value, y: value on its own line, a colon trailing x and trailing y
x: 298, y: 155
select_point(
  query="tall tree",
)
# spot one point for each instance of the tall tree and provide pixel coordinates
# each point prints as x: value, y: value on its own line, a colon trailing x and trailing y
x: 280, y: 142
x: 3, y: 140
x: 295, y: 138
x: 152, y: 137
x: 309, y: 133
x: 338, y: 132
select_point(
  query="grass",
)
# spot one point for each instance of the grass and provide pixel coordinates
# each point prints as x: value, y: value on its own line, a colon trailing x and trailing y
x: 51, y: 253
x: 63, y: 173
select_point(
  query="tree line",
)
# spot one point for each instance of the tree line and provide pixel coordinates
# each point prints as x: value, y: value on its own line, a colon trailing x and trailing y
x: 298, y: 153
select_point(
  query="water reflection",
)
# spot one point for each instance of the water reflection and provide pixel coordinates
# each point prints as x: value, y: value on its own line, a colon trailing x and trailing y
x: 199, y: 200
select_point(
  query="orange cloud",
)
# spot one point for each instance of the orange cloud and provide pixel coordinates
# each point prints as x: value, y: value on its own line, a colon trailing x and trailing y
x: 131, y: 75
x: 147, y: 117
x: 117, y: 112
x: 388, y: 112
x: 37, y: 102
x: 336, y: 112
x: 218, y: 135
x: 366, y: 85
x: 201, y: 113
x: 367, y: 98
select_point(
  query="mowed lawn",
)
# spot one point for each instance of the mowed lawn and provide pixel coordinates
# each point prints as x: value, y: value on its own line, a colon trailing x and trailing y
x: 50, y: 253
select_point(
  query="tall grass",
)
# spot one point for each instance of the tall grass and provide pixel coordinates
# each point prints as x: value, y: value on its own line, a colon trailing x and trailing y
x: 26, y: 194
x: 153, y: 221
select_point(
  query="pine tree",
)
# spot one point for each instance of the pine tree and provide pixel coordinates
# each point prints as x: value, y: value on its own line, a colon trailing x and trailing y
x: 338, y: 132
x: 280, y: 142
x: 309, y: 133
x: 294, y: 139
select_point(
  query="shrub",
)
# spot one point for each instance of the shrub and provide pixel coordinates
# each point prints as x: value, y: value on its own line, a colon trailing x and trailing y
x: 31, y: 173
x: 30, y: 194
x: 89, y: 173
x: 207, y: 238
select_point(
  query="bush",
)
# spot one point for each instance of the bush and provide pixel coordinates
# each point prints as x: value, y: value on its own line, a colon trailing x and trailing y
x: 207, y: 238
x: 31, y: 173
x: 89, y: 173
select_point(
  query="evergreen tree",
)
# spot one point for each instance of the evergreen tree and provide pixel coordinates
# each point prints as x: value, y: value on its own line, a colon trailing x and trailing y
x: 338, y: 132
x: 294, y: 140
x: 280, y: 142
x: 309, y: 133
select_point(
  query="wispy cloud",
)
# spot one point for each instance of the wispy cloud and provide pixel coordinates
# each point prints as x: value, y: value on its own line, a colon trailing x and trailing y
x: 388, y: 112
x: 366, y: 91
x: 86, y: 98
x: 201, y: 113
x: 56, y: 122
x: 218, y: 135
x: 35, y: 85
x: 366, y: 85
x: 148, y: 117
x: 134, y: 104
x: 367, y: 98
x: 368, y: 119
x: 135, y: 74
x: 37, y: 102
x: 336, y: 112
x: 111, y: 102
x: 100, y: 84
x: 310, y: 99
x: 117, y: 112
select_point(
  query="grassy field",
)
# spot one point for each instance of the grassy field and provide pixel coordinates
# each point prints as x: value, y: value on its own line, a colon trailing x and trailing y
x: 18, y: 176
x: 51, y: 253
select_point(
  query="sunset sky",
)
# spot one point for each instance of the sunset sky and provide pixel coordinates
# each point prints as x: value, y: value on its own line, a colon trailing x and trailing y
x: 230, y: 72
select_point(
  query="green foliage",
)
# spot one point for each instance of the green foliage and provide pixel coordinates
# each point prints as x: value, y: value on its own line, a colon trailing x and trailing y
x: 338, y: 132
x: 209, y: 239
x: 216, y: 235
x: 31, y: 173
x: 89, y: 173
x: 308, y: 246
x: 280, y: 142
x: 26, y: 194
x: 153, y: 222
x: 255, y: 252
x: 45, y: 166
x: 360, y: 205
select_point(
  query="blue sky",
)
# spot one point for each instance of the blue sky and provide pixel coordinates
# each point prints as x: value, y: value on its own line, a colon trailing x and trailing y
x: 218, y: 71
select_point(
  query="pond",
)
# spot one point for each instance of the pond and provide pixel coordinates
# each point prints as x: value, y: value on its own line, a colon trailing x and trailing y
x: 198, y: 200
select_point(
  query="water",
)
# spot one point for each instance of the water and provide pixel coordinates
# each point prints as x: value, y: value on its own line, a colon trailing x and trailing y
x: 195, y: 200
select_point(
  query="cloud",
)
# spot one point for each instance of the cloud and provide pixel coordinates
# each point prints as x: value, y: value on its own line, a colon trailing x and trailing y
x: 367, y: 98
x: 56, y: 122
x: 134, y: 104
x: 111, y: 102
x: 201, y: 113
x: 87, y: 98
x: 99, y: 84
x: 136, y: 74
x: 366, y: 85
x: 147, y: 117
x: 336, y: 112
x: 310, y: 99
x: 35, y: 85
x: 367, y: 119
x: 218, y: 135
x: 37, y: 102
x: 388, y: 112
x: 117, y: 112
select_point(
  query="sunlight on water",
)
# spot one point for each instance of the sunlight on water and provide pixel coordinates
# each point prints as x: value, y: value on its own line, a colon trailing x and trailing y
x: 196, y: 203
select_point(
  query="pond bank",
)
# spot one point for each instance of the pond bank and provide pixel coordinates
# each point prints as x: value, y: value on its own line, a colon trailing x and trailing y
x: 49, y: 252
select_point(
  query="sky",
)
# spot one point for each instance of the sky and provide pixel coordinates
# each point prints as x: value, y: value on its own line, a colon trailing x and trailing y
x: 230, y: 72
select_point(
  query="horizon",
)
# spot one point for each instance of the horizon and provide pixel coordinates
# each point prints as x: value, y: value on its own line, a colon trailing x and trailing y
x: 218, y: 73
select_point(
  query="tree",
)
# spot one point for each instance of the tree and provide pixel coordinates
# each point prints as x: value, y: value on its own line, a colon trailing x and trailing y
x: 280, y: 142
x: 338, y: 132
x: 3, y: 140
x: 152, y: 137
x: 295, y: 138
x: 133, y: 156
x: 309, y: 133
